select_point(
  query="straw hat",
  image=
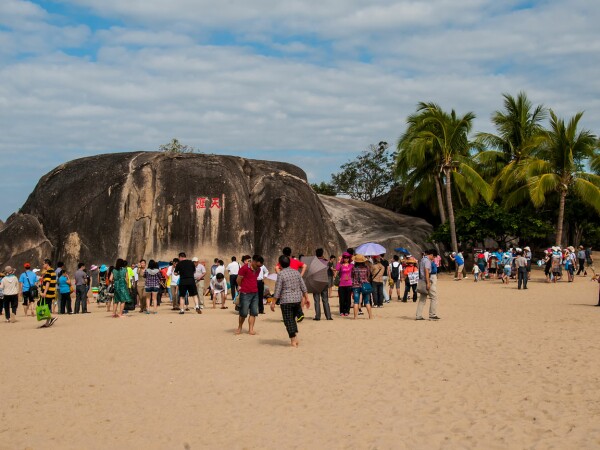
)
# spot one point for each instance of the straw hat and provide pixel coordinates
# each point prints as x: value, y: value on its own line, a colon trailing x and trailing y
x: 527, y: 248
x: 8, y: 270
x: 410, y: 260
x: 360, y: 258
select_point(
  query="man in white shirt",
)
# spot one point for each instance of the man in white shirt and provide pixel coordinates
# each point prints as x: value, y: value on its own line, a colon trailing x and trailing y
x: 199, y: 275
x: 233, y: 268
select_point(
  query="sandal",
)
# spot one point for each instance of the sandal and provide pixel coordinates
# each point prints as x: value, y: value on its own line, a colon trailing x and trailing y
x: 224, y: 307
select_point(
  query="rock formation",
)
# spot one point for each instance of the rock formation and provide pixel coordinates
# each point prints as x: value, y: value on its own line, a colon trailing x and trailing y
x: 154, y: 205
x: 360, y: 222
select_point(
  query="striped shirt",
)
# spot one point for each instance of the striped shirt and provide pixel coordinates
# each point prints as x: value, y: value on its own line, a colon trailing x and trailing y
x: 50, y: 280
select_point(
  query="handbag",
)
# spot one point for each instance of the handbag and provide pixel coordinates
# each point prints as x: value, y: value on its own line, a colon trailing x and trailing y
x: 336, y: 280
x: 366, y: 288
x: 71, y: 289
x: 422, y: 287
x: 43, y: 311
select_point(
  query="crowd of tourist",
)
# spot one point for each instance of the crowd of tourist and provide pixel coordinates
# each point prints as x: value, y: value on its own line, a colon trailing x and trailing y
x: 363, y: 283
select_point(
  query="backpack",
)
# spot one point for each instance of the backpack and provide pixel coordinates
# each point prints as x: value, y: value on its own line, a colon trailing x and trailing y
x: 395, y: 270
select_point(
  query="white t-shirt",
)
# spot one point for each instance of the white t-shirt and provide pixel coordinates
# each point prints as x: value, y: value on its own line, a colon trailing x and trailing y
x: 264, y: 272
x: 218, y: 287
x: 171, y: 273
x: 233, y: 268
x: 220, y: 269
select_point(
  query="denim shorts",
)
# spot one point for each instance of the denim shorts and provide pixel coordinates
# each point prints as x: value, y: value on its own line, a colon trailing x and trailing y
x: 357, y: 292
x: 152, y: 289
x: 248, y: 303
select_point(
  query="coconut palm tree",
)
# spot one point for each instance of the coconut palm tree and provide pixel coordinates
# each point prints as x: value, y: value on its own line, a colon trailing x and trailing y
x: 558, y: 167
x: 439, y: 141
x: 519, y: 132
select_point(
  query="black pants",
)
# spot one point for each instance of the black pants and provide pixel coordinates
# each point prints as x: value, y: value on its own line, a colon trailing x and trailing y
x: 10, y: 302
x: 581, y: 266
x: 65, y: 303
x: 289, y: 311
x: 377, y: 293
x: 522, y: 277
x: 345, y: 292
x: 261, y: 296
x: 407, y: 288
x: 233, y: 284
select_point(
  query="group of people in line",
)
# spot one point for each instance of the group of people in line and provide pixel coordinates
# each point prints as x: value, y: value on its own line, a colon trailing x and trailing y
x: 363, y: 282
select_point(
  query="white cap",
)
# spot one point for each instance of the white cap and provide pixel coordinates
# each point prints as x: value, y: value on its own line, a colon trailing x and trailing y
x: 195, y: 259
x: 36, y: 270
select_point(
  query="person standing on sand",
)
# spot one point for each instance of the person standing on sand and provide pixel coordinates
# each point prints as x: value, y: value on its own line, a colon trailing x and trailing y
x: 48, y: 290
x: 185, y: 270
x: 10, y: 289
x: 199, y: 274
x: 295, y: 264
x: 152, y: 277
x: 360, y: 276
x: 64, y: 289
x: 291, y: 292
x: 425, y: 273
x: 80, y: 289
x: 233, y: 269
x: 377, y: 271
x: 344, y: 269
x: 323, y: 295
x: 28, y: 281
x: 396, y: 275
x: 121, y: 292
x: 581, y: 261
x: 248, y: 285
x: 521, y: 265
x: 140, y: 285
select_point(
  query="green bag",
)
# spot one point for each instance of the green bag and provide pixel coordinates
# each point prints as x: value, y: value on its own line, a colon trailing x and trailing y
x: 336, y: 280
x: 43, y: 311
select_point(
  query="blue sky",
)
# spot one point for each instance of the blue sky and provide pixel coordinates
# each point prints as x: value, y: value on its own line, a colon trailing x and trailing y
x: 309, y: 82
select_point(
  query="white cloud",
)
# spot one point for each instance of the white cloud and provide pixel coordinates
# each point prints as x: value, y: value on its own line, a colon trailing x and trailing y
x: 318, y: 105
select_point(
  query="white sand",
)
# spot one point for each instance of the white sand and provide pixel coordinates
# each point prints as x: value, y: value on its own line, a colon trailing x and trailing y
x: 502, y: 369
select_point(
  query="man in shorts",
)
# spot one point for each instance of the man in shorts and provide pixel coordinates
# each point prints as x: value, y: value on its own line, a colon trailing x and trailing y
x: 185, y: 270
x: 28, y: 281
x: 248, y: 285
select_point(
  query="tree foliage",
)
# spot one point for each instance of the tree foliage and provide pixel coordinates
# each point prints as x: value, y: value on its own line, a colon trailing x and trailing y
x: 324, y: 188
x: 176, y: 147
x: 368, y: 176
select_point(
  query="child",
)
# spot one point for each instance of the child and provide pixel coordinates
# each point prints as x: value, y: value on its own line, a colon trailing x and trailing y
x: 476, y: 270
x: 218, y: 288
x: 506, y: 274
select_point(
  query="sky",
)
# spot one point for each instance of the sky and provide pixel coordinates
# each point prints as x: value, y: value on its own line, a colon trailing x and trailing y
x: 308, y: 82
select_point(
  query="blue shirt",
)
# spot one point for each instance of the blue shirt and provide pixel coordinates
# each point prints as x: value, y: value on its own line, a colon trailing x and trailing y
x: 63, y: 285
x: 459, y: 260
x: 27, y: 279
x: 433, y: 269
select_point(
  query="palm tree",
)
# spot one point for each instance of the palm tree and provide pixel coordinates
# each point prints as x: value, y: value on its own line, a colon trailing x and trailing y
x: 439, y: 141
x: 519, y: 132
x: 557, y: 167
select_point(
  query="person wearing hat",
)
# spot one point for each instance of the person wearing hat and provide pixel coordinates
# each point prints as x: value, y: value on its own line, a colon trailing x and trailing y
x: 411, y: 278
x: 10, y: 288
x: 344, y: 270
x: 360, y: 276
x: 427, y: 275
x: 528, y: 255
x: 29, y: 288
x: 581, y: 261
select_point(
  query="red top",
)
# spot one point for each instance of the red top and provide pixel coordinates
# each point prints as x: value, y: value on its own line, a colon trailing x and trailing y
x: 249, y: 282
x: 295, y: 264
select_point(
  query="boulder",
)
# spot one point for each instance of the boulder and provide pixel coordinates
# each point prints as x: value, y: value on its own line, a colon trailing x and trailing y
x: 359, y: 222
x: 154, y: 205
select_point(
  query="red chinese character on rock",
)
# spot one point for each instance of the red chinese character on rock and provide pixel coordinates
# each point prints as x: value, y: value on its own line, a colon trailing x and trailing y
x: 201, y: 203
x: 215, y: 203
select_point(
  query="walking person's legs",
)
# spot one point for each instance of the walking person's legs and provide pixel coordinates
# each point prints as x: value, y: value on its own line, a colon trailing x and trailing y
x: 261, y: 297
x: 326, y: 308
x: 433, y: 300
x: 406, y: 290
x: 317, y: 302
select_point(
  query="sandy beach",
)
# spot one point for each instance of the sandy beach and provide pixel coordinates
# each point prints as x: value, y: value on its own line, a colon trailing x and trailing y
x: 502, y: 369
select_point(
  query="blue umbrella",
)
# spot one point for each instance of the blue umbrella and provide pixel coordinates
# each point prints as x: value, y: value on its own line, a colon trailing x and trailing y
x: 370, y: 249
x: 402, y: 250
x: 163, y: 264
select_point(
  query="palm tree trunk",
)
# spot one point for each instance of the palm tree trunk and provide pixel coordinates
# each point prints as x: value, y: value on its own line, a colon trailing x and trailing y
x: 438, y: 191
x: 561, y: 217
x: 450, y: 210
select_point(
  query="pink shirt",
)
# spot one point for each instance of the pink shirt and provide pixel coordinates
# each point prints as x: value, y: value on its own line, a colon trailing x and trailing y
x: 345, y: 271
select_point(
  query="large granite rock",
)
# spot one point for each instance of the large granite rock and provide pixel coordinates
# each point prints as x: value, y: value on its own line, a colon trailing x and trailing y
x: 149, y: 204
x: 359, y: 222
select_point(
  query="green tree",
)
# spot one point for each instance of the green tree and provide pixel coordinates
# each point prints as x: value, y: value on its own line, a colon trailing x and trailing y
x: 176, y: 147
x: 519, y: 133
x: 368, y: 176
x: 433, y: 134
x: 324, y: 188
x: 557, y: 168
